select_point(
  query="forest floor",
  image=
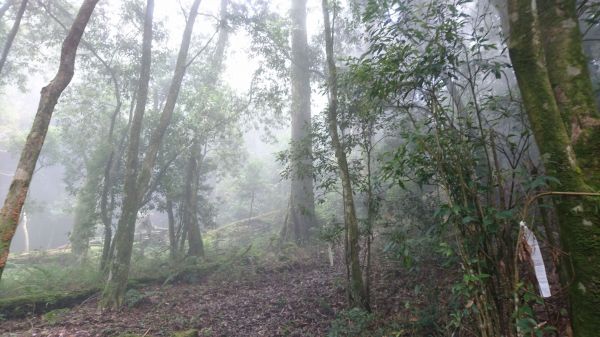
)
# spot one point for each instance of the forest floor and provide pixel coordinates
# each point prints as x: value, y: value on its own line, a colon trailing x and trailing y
x: 300, y: 298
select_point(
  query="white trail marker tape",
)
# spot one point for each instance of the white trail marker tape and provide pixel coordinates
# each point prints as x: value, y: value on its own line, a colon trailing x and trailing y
x: 537, y: 260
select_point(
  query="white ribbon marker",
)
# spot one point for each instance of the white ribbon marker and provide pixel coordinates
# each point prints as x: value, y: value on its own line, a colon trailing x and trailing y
x: 538, y: 261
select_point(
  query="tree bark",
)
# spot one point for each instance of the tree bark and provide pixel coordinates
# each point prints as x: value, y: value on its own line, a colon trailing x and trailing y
x: 136, y: 185
x: 172, y: 237
x: 570, y: 79
x: 5, y: 7
x: 302, y: 200
x: 195, y: 245
x: 167, y: 113
x: 109, y: 167
x: 122, y: 245
x: 26, y: 232
x: 358, y: 297
x: 13, y: 204
x: 12, y: 34
x: 548, y: 112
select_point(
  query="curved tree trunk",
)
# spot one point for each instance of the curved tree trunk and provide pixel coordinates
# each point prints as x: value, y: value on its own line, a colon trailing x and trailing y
x: 12, y: 34
x: 13, y: 204
x: 302, y: 201
x: 357, y: 292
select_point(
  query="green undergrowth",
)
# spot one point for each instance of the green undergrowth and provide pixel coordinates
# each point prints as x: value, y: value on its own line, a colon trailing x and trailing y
x: 40, y: 282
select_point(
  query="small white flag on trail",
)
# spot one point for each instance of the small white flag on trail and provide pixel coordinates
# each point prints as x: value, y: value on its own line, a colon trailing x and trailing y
x: 536, y: 258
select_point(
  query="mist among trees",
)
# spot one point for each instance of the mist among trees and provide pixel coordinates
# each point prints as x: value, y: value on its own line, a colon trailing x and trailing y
x: 300, y: 168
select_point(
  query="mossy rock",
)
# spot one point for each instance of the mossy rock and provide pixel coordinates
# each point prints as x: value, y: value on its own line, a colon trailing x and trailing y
x: 186, y: 333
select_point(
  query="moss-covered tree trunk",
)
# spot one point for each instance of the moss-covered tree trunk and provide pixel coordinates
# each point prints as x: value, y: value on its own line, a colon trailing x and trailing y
x: 81, y: 232
x: 12, y: 34
x: 190, y: 216
x: 548, y: 112
x: 137, y: 185
x: 191, y: 223
x: 571, y: 83
x: 172, y: 236
x: 301, y: 210
x: 165, y: 117
x: 122, y: 245
x: 13, y: 204
x: 357, y: 292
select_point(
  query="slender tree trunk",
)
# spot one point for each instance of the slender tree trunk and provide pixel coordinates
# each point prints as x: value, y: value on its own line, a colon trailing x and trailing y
x: 12, y: 34
x: 548, y: 111
x: 5, y: 7
x: 106, y: 247
x: 195, y: 247
x: 165, y: 118
x: 172, y: 237
x: 26, y: 232
x: 302, y: 200
x: 13, y: 204
x: 371, y: 210
x: 191, y: 223
x: 136, y: 185
x: 122, y: 245
x: 358, y: 296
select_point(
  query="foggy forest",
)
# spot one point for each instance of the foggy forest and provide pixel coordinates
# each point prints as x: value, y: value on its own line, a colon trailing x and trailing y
x: 328, y: 168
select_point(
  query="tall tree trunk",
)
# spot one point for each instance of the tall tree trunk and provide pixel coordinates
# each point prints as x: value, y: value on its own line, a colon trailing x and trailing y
x: 165, y: 117
x: 578, y: 217
x: 302, y: 200
x: 570, y: 79
x: 196, y: 247
x: 13, y: 204
x: 136, y: 185
x: 12, y: 34
x: 5, y: 7
x: 190, y: 222
x: 172, y: 236
x: 122, y: 246
x: 358, y: 297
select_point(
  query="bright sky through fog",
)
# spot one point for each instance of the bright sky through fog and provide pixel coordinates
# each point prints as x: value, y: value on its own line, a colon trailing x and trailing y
x: 240, y: 65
